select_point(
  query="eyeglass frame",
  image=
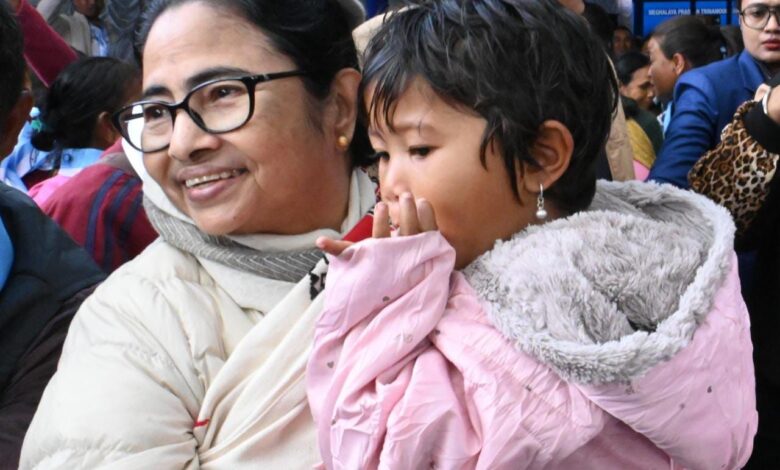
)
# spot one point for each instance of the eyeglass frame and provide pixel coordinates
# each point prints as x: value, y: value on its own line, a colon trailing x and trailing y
x: 250, y: 81
x: 772, y: 10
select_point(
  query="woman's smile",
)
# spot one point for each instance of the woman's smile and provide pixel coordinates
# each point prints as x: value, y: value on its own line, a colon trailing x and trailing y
x: 205, y: 188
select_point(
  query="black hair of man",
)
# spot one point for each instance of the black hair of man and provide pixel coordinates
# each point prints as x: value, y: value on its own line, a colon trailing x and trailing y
x: 698, y: 42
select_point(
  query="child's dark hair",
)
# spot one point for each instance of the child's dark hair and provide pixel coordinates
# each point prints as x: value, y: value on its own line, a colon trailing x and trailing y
x: 82, y: 91
x: 628, y: 63
x: 514, y: 63
x: 697, y: 41
x: 11, y: 62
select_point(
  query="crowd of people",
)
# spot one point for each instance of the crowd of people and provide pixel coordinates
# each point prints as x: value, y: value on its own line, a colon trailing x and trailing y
x: 462, y: 234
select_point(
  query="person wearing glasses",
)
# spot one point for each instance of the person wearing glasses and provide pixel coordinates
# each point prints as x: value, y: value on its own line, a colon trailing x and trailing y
x: 705, y: 99
x: 194, y: 353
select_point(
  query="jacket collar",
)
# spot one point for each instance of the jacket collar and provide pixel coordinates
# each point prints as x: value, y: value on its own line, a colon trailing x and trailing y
x: 751, y: 72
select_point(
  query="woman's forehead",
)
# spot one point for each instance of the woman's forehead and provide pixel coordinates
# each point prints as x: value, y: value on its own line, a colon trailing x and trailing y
x: 188, y: 39
x: 746, y: 3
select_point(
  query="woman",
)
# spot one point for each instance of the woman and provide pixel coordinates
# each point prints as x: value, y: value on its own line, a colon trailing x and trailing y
x: 194, y: 353
x: 636, y: 94
x: 741, y: 174
x: 705, y: 99
x: 73, y: 126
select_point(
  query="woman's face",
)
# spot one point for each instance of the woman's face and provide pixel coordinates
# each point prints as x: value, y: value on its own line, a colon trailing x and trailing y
x: 639, y: 88
x: 662, y: 72
x: 283, y: 172
x: 764, y: 45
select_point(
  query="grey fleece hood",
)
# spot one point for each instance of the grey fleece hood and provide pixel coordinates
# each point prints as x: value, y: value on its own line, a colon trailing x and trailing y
x: 606, y: 294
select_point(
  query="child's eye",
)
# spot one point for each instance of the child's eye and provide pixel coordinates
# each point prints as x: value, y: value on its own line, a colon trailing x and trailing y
x: 376, y: 156
x: 420, y: 151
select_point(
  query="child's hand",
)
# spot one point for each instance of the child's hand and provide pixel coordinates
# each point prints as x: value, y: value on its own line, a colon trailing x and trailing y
x: 414, y: 218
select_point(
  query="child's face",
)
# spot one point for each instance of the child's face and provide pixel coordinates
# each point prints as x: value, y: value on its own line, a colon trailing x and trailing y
x: 433, y: 153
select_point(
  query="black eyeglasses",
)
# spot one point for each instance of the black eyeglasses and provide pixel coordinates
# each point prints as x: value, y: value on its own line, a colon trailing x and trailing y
x: 757, y: 16
x: 217, y: 106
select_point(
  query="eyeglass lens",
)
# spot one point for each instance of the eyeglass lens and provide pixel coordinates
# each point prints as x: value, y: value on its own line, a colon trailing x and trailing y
x: 757, y: 16
x: 217, y: 107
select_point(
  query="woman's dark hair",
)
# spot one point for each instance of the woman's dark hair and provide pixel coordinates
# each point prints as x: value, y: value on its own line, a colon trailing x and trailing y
x: 315, y: 34
x: 698, y: 42
x: 628, y: 63
x: 514, y: 63
x: 82, y: 91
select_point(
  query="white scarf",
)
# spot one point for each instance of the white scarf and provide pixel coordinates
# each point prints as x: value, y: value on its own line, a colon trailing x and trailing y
x: 256, y: 406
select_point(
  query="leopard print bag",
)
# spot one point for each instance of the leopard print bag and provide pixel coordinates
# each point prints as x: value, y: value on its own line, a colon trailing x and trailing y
x: 737, y: 173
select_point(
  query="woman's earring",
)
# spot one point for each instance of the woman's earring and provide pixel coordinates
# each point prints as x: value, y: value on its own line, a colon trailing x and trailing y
x: 541, y: 213
x: 343, y: 142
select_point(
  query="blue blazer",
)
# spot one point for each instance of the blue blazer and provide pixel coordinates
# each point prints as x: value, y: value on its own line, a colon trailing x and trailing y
x: 705, y: 100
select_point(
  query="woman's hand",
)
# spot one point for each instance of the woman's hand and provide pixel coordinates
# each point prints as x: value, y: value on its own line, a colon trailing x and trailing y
x: 415, y: 217
x: 761, y: 91
x: 773, y: 105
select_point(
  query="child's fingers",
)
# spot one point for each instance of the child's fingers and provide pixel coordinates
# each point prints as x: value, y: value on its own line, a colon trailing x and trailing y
x: 331, y: 246
x: 409, y: 224
x: 381, y: 222
x: 426, y: 216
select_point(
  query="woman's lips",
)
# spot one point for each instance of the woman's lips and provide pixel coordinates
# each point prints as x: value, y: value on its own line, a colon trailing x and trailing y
x: 772, y: 44
x: 203, y: 189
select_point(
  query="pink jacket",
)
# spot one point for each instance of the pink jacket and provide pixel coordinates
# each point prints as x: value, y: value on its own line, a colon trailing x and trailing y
x: 513, y: 365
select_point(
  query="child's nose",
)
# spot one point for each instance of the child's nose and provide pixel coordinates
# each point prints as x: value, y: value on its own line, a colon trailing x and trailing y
x: 392, y: 179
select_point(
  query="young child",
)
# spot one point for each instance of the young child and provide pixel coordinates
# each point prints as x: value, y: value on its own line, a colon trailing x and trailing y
x: 522, y: 315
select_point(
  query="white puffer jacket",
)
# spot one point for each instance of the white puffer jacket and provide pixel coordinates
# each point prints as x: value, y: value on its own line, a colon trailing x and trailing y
x: 181, y: 362
x: 145, y: 366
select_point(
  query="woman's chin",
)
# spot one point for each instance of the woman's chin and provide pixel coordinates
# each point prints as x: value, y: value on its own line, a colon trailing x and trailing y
x: 218, y: 223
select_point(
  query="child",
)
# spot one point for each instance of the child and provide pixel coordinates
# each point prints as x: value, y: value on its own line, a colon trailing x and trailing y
x: 523, y: 316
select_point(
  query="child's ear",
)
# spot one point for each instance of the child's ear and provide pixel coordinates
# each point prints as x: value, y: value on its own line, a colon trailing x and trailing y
x: 552, y: 151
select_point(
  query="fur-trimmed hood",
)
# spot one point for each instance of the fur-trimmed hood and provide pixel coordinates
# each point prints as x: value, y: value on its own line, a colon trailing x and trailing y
x: 635, y: 303
x: 606, y: 294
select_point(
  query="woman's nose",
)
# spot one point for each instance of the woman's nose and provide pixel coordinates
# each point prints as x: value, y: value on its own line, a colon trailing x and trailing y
x: 188, y: 140
x: 774, y: 22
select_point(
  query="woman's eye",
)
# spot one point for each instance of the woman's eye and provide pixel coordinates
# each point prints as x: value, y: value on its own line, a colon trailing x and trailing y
x: 153, y: 113
x: 223, y: 92
x: 420, y: 151
x: 758, y: 13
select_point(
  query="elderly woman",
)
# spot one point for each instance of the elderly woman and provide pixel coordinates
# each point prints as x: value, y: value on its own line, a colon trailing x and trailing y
x: 194, y: 353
